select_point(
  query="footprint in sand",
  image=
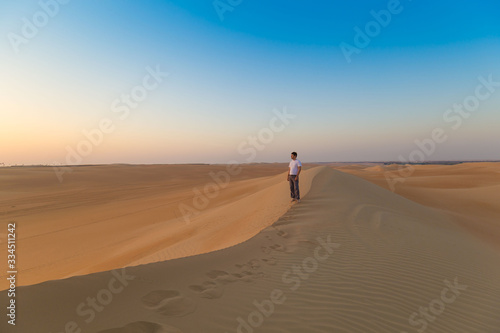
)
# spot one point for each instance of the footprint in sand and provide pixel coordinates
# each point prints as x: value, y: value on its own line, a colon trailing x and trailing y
x: 278, y: 247
x: 169, y: 303
x: 221, y: 276
x: 249, y: 271
x: 253, y: 264
x: 270, y: 261
x: 248, y: 276
x: 143, y: 327
x: 274, y: 247
x: 214, y: 288
x: 265, y: 249
x: 208, y: 289
x: 281, y: 233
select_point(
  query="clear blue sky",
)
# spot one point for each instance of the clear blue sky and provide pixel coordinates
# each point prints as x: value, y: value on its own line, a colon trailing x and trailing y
x: 227, y: 76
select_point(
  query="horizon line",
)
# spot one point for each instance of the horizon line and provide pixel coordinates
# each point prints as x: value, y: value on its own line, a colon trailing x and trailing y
x: 248, y: 163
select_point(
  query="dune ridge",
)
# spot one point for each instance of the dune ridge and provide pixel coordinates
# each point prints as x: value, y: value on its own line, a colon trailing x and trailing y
x: 107, y: 217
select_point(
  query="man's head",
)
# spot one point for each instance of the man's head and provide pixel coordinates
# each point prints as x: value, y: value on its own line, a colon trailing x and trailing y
x: 294, y: 155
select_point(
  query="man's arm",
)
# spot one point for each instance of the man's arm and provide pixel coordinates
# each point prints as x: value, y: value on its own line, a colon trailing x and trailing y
x: 288, y: 174
x: 298, y: 172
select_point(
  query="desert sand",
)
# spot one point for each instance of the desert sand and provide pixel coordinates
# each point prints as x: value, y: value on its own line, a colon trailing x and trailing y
x: 353, y: 256
x: 105, y: 217
x: 468, y: 191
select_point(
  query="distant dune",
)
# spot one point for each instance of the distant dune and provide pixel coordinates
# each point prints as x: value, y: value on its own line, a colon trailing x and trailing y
x: 468, y: 191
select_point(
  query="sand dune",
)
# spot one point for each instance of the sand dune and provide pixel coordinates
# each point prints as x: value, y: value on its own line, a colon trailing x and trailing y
x: 468, y: 191
x: 352, y: 257
x: 106, y: 217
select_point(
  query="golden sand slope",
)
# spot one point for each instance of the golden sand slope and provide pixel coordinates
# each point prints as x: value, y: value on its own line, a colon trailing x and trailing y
x: 352, y: 257
x: 469, y: 191
x: 106, y: 217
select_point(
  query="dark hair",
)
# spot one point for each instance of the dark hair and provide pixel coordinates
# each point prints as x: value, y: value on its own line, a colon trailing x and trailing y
x: 294, y: 154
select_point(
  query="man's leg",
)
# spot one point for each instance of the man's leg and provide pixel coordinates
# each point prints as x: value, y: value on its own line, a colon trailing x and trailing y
x: 292, y: 188
x: 297, y: 192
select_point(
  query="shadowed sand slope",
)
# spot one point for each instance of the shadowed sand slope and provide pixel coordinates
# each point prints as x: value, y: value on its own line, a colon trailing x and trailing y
x: 352, y: 257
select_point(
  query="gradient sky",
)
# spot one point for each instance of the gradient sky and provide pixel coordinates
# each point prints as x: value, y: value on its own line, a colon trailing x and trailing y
x: 227, y: 76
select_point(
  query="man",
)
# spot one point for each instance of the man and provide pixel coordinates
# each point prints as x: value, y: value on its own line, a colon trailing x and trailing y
x: 294, y: 169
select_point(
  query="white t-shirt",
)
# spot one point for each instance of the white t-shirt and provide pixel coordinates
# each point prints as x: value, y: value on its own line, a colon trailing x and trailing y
x: 294, y: 166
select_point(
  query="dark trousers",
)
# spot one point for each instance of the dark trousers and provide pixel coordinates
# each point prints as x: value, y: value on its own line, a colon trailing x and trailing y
x: 294, y: 187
